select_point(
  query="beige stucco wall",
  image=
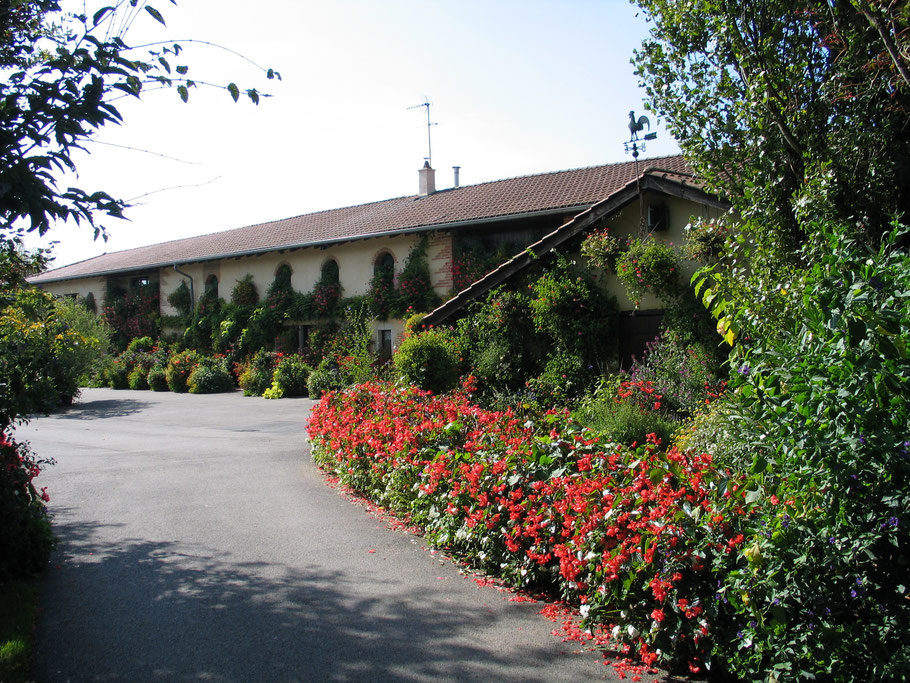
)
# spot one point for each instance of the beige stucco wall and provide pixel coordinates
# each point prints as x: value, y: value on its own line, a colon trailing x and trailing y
x: 626, y: 223
x: 81, y: 286
x: 355, y: 267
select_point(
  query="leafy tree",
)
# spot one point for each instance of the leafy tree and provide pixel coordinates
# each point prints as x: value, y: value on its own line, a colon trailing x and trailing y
x: 793, y: 110
x: 61, y: 76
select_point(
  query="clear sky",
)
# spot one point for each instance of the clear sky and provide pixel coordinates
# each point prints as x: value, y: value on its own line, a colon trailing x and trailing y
x: 517, y: 87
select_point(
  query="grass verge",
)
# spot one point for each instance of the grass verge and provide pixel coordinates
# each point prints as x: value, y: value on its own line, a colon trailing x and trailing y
x: 18, y: 610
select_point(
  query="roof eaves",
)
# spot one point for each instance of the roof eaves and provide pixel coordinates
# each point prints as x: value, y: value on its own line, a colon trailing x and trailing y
x: 453, y: 225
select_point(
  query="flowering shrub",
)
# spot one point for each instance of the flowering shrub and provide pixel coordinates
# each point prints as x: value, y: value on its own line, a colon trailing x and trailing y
x: 25, y: 534
x: 649, y: 267
x: 602, y: 248
x: 631, y: 533
x: 179, y: 368
x: 686, y: 375
x: 157, y: 380
x: 626, y: 411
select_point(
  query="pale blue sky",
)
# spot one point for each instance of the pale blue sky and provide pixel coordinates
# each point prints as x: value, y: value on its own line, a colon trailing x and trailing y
x: 517, y: 87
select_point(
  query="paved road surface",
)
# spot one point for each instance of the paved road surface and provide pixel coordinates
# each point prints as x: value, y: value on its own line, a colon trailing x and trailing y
x: 199, y: 542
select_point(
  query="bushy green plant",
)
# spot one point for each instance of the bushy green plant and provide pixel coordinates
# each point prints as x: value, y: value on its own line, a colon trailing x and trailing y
x: 210, y: 376
x: 621, y: 420
x: 157, y: 379
x: 137, y: 378
x: 84, y: 359
x: 181, y: 299
x: 244, y: 293
x: 41, y: 358
x: 141, y: 345
x: 178, y: 370
x: 255, y: 374
x: 428, y: 360
x: 326, y: 377
x: 116, y: 375
x: 499, y: 344
x: 821, y: 410
x: 289, y: 378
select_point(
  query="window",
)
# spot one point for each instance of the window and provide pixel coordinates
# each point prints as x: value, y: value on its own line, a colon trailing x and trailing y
x: 211, y: 286
x: 303, y: 337
x: 385, y: 345
x: 385, y: 265
x: 658, y: 217
x: 330, y: 271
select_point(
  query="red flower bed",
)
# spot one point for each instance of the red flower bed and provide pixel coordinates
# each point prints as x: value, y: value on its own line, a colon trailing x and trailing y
x: 630, y: 533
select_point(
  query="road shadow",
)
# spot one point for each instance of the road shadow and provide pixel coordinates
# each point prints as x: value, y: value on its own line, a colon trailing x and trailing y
x: 102, y: 408
x: 150, y: 610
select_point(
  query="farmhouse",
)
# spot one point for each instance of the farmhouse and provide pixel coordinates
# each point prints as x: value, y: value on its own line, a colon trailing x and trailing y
x: 470, y: 233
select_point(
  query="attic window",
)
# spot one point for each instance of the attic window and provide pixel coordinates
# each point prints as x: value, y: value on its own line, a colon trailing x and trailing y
x: 658, y: 218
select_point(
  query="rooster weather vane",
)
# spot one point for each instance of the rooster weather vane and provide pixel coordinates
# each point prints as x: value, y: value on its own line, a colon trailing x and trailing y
x: 636, y: 145
x: 636, y: 126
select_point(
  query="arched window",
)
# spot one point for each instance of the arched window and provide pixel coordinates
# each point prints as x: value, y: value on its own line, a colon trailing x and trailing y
x: 385, y: 266
x: 211, y: 286
x: 282, y: 277
x: 330, y: 272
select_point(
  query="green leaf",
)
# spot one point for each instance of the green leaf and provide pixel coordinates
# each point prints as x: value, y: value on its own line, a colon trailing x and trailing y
x: 183, y: 92
x: 234, y: 90
x: 156, y: 14
x: 100, y: 14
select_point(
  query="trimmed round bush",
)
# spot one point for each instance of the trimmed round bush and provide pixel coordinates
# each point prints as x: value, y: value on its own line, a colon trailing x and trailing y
x: 428, y: 360
x: 325, y: 378
x: 117, y: 376
x: 290, y: 377
x: 157, y: 380
x: 141, y: 345
x: 138, y: 378
x: 210, y: 379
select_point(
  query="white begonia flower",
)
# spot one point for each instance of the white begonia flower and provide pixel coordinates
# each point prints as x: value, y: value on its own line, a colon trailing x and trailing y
x: 632, y: 631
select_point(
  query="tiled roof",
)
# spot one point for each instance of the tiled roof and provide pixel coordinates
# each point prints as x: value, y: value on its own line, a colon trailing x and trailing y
x: 498, y: 199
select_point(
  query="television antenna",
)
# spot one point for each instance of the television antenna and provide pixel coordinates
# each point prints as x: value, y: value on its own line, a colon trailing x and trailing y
x: 636, y: 145
x: 426, y: 103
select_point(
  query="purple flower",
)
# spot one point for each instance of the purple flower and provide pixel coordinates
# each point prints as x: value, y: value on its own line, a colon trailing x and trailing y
x: 744, y: 370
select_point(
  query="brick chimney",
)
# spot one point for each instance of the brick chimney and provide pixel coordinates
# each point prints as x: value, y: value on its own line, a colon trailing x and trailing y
x: 427, y: 180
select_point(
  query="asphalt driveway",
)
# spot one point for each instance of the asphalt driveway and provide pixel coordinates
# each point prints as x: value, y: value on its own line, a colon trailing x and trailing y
x: 199, y: 541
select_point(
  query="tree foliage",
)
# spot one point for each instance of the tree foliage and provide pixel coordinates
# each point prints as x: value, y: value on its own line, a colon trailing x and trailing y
x: 61, y: 77
x: 792, y: 110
